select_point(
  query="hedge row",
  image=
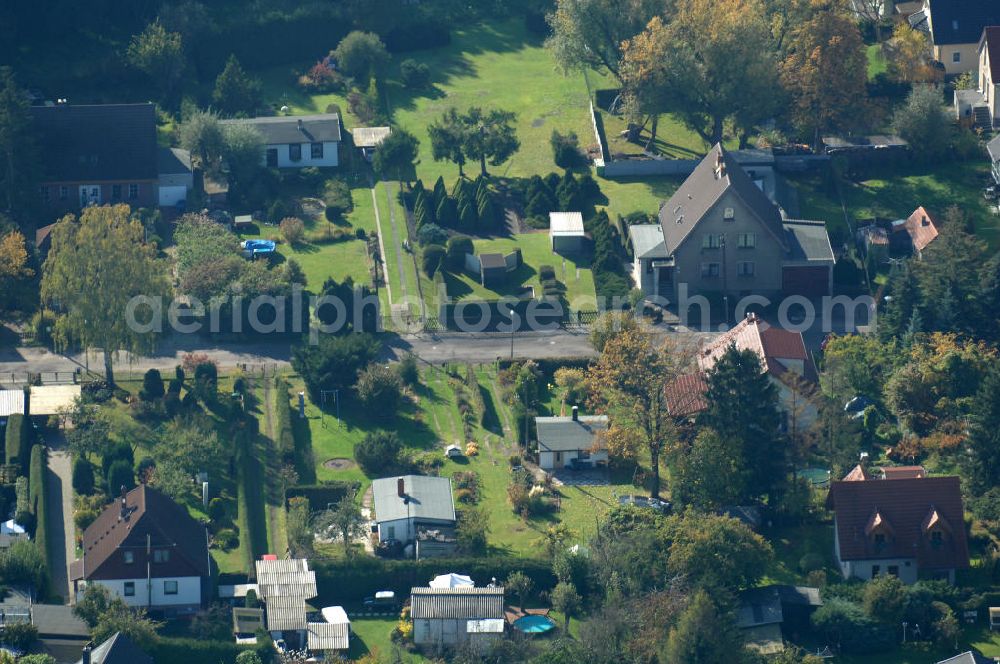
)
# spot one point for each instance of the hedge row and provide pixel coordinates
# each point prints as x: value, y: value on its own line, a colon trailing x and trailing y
x: 250, y: 499
x: 283, y: 420
x: 340, y: 582
x: 321, y: 495
x: 548, y: 366
x: 38, y: 498
x: 18, y: 439
x: 184, y: 651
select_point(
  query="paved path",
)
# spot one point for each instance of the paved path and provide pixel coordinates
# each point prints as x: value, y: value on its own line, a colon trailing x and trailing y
x: 381, y: 246
x: 62, y: 545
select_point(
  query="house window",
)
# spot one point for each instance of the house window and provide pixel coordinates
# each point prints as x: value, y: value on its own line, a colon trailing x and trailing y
x: 709, y: 270
x: 746, y: 240
x: 316, y: 150
x: 129, y: 589
x: 116, y: 192
x: 745, y: 269
x: 956, y: 56
x: 295, y: 152
x: 169, y: 587
x: 879, y: 541
x: 875, y: 570
x: 133, y: 192
x: 729, y: 214
x: 161, y: 556
x: 63, y: 193
x: 894, y: 570
x: 45, y: 193
x: 937, y: 539
x: 128, y: 557
x: 710, y: 241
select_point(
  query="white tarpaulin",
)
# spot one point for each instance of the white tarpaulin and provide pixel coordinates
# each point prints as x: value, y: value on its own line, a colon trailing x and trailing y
x: 452, y: 580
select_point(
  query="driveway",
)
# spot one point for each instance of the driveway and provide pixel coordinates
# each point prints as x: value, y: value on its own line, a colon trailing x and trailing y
x: 61, y: 532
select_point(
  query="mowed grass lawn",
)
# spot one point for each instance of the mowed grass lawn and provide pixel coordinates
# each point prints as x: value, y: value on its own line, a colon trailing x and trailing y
x: 899, y: 194
x: 536, y: 250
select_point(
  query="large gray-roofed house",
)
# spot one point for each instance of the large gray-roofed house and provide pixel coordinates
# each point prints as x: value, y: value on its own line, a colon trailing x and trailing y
x: 117, y: 649
x: 404, y: 503
x: 564, y: 441
x: 298, y: 141
x: 722, y: 234
x: 993, y: 149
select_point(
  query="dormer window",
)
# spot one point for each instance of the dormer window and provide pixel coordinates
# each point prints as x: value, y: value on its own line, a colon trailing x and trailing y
x: 161, y: 555
x: 879, y: 541
x: 937, y: 539
x: 128, y: 557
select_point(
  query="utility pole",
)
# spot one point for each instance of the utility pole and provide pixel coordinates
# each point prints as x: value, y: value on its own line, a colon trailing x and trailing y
x: 725, y: 286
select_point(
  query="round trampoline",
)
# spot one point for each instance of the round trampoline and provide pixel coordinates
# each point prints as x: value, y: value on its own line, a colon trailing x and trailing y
x: 818, y: 477
x: 535, y: 624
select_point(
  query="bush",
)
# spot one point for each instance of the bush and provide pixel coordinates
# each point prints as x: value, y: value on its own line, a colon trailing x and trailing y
x: 283, y: 419
x: 278, y: 211
x: 432, y: 257
x: 361, y: 54
x: 546, y: 273
x: 415, y: 75
x: 321, y: 78
x: 380, y: 389
x: 431, y: 234
x: 83, y: 476
x: 321, y: 496
x: 120, y: 475
x: 206, y: 382
x: 226, y: 539
x: 292, y: 229
x: 566, y: 149
x: 338, y: 199
x: 38, y: 497
x: 152, y: 386
x: 25, y: 561
x: 19, y: 636
x: 811, y: 562
x: 408, y: 370
x: 458, y: 247
x: 378, y: 452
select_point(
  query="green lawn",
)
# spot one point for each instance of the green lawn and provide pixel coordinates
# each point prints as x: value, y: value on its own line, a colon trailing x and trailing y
x: 877, y: 64
x: 373, y: 635
x: 897, y: 196
x: 574, y: 272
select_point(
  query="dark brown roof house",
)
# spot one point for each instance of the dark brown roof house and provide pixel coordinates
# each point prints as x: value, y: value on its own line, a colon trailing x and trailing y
x: 148, y: 550
x: 902, y: 525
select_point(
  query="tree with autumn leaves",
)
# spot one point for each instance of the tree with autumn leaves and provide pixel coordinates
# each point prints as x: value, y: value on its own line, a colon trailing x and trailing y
x: 628, y: 382
x: 15, y: 264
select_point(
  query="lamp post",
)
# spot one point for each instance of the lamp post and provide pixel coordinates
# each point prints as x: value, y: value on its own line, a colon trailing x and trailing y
x: 904, y: 630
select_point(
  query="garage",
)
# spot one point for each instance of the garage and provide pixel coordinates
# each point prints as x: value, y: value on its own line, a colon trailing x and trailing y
x: 810, y: 281
x: 176, y: 176
x: 172, y: 195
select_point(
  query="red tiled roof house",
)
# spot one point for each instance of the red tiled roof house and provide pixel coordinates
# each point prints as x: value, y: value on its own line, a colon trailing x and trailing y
x: 909, y: 527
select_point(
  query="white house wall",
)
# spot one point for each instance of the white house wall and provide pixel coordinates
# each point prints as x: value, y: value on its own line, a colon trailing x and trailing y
x: 188, y: 591
x: 330, y: 156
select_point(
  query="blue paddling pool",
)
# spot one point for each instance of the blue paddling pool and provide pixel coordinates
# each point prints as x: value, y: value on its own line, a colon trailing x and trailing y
x: 534, y: 624
x: 254, y: 248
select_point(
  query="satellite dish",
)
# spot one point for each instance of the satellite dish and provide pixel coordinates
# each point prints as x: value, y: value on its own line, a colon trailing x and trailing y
x: 284, y: 109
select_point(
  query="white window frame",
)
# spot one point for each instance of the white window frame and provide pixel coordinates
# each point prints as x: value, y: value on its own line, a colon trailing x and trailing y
x: 315, y: 148
x: 292, y: 148
x: 746, y: 241
x: 729, y: 214
x: 128, y: 589
x: 711, y: 241
x: 746, y: 269
x: 128, y: 557
x: 167, y: 585
x: 133, y: 192
x: 707, y: 269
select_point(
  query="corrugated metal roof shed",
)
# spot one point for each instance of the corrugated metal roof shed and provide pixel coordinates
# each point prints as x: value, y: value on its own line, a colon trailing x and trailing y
x: 468, y: 603
x: 369, y: 137
x: 566, y: 224
x: 328, y: 636
x: 11, y: 401
x: 285, y: 578
x: 286, y: 613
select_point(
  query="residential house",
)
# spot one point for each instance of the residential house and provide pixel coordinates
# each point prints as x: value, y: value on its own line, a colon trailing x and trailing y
x: 968, y: 657
x: 573, y: 441
x: 148, y: 550
x: 766, y: 612
x: 453, y: 616
x: 176, y: 176
x: 993, y: 150
x: 298, y: 142
x: 93, y: 155
x: 955, y: 27
x: 118, y: 649
x: 650, y: 262
x: 722, y: 235
x: 408, y: 505
x: 783, y: 357
x: 284, y: 587
x: 988, y: 80
x: 566, y: 233
x: 904, y: 527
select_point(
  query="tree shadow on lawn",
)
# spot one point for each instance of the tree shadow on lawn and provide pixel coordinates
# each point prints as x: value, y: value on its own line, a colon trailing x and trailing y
x: 405, y: 422
x: 491, y: 418
x: 306, y: 248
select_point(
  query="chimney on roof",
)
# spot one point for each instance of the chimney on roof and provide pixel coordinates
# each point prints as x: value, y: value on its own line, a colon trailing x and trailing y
x: 124, y: 501
x: 400, y: 488
x: 300, y: 124
x: 720, y: 165
x: 85, y: 655
x: 576, y: 414
x: 924, y: 221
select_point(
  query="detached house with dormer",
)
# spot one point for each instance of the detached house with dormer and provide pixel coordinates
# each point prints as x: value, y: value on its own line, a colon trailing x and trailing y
x: 910, y: 527
x: 300, y: 141
x: 720, y: 233
x: 148, y: 550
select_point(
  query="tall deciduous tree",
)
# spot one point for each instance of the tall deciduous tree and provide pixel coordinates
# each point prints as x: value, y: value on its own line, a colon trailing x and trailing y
x: 202, y: 135
x: 236, y: 92
x: 346, y: 519
x: 703, y: 636
x: 159, y: 54
x: 361, y: 55
x: 244, y: 152
x: 743, y: 409
x: 628, y: 381
x: 925, y: 123
x: 910, y: 55
x: 588, y: 34
x: 396, y: 154
x: 96, y: 266
x: 14, y: 266
x: 490, y: 136
x: 19, y: 164
x: 826, y: 71
x: 448, y: 139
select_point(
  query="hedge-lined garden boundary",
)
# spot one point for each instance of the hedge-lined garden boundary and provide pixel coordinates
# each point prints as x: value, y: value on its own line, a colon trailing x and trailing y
x: 38, y: 498
x: 18, y: 439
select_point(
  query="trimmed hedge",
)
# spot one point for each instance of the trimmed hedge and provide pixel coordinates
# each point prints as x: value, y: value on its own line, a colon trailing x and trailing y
x: 353, y: 580
x: 283, y: 420
x: 38, y: 498
x: 18, y: 439
x: 321, y: 495
x: 250, y: 496
x: 184, y: 651
x: 548, y: 366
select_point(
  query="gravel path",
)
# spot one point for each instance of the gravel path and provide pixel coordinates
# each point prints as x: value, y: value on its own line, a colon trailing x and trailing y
x: 62, y: 546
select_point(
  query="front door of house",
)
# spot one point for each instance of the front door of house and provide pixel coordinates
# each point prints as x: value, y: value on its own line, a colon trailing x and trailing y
x: 90, y: 194
x: 272, y: 157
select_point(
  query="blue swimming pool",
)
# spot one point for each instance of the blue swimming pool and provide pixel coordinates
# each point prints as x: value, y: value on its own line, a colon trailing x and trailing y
x: 534, y: 624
